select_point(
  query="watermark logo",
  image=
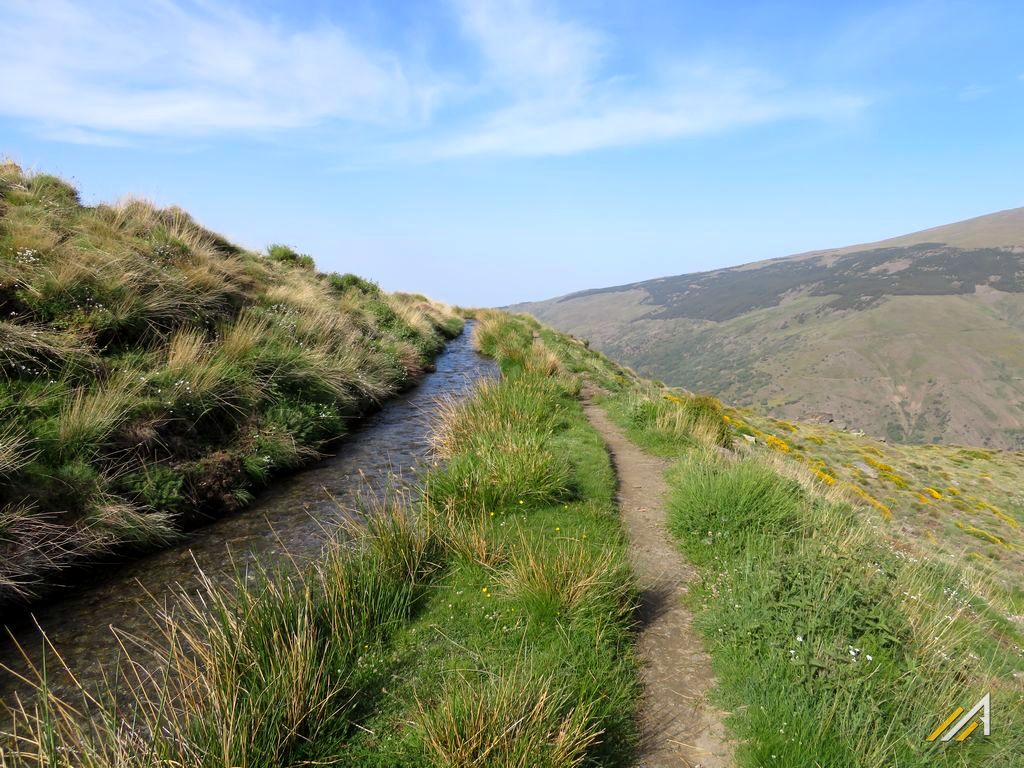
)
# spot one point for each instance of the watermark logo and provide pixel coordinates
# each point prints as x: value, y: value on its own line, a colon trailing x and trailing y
x: 959, y: 729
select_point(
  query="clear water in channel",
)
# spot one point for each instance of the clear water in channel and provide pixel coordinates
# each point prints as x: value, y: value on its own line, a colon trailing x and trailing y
x: 291, y: 521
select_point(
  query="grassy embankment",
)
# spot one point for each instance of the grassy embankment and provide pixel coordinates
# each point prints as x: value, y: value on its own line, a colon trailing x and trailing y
x: 486, y: 622
x: 845, y: 595
x: 152, y: 373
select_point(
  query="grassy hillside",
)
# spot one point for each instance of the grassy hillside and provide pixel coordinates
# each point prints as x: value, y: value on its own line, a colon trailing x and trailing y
x: 483, y: 622
x: 851, y: 593
x: 153, y: 374
x: 917, y: 339
x: 487, y: 620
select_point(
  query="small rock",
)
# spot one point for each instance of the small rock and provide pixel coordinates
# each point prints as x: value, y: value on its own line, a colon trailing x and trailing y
x: 866, y: 469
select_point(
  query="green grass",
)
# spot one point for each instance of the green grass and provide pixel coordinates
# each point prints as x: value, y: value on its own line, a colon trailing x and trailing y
x: 836, y: 637
x: 487, y: 622
x: 950, y: 500
x: 818, y: 650
x: 150, y: 370
x: 843, y: 626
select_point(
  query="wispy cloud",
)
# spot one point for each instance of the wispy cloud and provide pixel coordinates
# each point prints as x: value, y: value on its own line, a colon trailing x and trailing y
x: 165, y: 68
x: 563, y: 97
x: 531, y: 81
x: 882, y: 32
x: 526, y: 48
x: 683, y: 112
x: 975, y: 91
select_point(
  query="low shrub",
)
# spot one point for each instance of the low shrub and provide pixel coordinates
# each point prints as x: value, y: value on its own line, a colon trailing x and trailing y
x: 286, y: 255
x: 348, y: 281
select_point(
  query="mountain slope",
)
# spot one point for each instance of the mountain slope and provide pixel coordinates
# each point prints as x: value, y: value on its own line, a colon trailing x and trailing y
x: 919, y: 338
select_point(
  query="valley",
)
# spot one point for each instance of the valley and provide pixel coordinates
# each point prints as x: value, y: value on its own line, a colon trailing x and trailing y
x: 910, y: 340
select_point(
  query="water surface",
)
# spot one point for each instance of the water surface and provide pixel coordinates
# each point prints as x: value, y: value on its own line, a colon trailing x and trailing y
x: 290, y: 521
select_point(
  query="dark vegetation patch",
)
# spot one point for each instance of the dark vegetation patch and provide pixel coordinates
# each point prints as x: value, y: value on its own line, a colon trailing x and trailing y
x: 857, y: 280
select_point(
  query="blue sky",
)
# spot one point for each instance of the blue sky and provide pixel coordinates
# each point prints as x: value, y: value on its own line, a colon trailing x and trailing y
x: 492, y: 151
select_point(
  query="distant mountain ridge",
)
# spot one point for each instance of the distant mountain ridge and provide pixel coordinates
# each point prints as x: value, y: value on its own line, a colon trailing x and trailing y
x: 916, y: 338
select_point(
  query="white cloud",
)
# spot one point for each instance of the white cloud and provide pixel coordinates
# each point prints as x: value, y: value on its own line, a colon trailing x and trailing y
x: 526, y: 47
x: 533, y: 82
x: 711, y: 102
x: 562, y: 99
x: 164, y: 68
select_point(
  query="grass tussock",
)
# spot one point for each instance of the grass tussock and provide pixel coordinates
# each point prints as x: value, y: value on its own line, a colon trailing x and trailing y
x: 469, y: 537
x: 89, y: 416
x: 666, y: 421
x: 724, y: 505
x: 511, y: 720
x: 514, y: 469
x: 567, y: 578
x: 141, y: 352
x: 498, y: 446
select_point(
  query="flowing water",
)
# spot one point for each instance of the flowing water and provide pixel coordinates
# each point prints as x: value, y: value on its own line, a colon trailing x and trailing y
x: 289, y: 522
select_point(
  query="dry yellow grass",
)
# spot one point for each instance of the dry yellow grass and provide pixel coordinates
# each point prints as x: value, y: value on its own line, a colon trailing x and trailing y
x: 567, y: 582
x: 89, y: 416
x: 511, y: 721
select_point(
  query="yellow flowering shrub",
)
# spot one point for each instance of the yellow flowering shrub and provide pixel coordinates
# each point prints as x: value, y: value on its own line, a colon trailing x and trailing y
x: 933, y: 493
x: 980, y: 533
x: 1010, y: 521
x: 883, y: 508
x: 825, y: 477
x: 880, y: 466
x: 895, y: 479
x: 777, y: 443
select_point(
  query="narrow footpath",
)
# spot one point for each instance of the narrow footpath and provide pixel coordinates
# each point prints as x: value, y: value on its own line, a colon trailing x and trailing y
x: 681, y: 729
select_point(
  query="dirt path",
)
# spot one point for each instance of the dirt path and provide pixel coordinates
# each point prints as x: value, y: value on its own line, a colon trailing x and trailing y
x: 680, y: 728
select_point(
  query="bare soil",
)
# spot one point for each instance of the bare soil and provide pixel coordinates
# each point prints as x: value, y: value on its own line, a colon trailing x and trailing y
x: 680, y: 727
